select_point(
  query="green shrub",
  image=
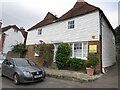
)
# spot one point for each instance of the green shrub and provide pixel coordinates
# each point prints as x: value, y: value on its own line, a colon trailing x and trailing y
x: 75, y: 64
x: 20, y: 49
x: 92, y: 61
x: 62, y: 55
x: 64, y: 61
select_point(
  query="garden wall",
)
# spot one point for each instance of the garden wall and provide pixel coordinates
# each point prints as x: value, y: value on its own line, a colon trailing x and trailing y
x: 31, y: 54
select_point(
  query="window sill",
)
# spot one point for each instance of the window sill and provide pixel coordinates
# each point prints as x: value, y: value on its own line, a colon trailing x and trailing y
x: 83, y: 58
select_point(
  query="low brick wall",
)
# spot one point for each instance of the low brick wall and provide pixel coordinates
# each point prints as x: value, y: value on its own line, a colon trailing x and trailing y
x: 11, y: 54
x: 31, y: 54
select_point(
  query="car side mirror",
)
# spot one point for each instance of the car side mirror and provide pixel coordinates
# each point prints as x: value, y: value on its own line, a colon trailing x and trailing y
x: 12, y: 66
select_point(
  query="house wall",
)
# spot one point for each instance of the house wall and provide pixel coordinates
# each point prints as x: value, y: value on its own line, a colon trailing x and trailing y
x: 108, y: 45
x: 12, y: 38
x: 0, y: 43
x: 85, y: 27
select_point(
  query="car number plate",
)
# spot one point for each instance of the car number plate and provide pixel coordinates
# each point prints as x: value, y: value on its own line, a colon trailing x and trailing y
x: 37, y: 76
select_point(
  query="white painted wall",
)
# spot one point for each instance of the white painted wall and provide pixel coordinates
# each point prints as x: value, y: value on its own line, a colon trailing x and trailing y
x: 0, y: 42
x: 85, y: 26
x: 12, y: 38
x: 108, y: 45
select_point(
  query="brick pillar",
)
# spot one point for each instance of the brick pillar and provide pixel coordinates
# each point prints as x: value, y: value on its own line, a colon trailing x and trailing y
x: 98, y: 67
x: 31, y: 55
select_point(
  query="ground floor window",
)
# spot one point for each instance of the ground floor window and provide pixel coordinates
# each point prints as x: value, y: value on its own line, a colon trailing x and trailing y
x: 79, y: 49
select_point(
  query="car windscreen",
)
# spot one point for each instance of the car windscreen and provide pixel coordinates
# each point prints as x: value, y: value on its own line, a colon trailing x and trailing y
x: 24, y: 62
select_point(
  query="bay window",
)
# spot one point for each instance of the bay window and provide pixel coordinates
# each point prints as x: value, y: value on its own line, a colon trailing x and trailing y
x: 79, y: 50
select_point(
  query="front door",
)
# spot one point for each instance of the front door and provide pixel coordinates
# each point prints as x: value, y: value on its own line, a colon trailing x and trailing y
x: 55, y: 49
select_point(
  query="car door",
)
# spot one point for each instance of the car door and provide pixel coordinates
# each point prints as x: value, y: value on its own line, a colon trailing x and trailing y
x: 10, y: 68
x: 7, y: 69
x: 4, y: 67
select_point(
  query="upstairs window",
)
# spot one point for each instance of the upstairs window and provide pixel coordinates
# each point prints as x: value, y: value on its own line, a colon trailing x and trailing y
x: 71, y: 24
x: 39, y: 31
x: 15, y: 30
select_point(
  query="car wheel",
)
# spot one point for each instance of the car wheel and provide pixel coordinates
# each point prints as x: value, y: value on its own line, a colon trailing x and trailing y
x: 16, y: 79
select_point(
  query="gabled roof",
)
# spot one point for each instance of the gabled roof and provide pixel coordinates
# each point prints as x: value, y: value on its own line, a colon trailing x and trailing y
x: 6, y: 28
x: 78, y: 9
x: 49, y: 18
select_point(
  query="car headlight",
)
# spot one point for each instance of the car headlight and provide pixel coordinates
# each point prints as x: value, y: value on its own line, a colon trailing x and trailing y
x: 27, y: 73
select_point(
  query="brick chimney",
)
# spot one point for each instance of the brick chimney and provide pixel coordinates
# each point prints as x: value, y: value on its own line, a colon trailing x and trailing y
x: 21, y: 28
x: 80, y: 1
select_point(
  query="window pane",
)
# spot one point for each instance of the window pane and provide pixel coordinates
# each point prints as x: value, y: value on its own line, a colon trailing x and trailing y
x: 78, y: 50
x: 70, y: 24
x: 85, y: 50
x: 39, y: 31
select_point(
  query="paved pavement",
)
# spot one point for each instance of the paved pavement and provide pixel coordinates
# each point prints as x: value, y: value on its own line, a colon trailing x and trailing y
x: 108, y: 80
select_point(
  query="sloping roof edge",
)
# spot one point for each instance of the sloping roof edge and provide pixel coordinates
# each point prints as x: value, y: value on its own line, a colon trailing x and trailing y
x: 49, y: 18
x: 107, y: 21
x: 6, y: 28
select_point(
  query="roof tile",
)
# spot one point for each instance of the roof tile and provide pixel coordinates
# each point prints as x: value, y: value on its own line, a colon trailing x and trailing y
x: 79, y: 8
x: 49, y: 18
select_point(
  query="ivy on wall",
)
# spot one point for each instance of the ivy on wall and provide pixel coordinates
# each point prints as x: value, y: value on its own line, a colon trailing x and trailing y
x: 45, y: 51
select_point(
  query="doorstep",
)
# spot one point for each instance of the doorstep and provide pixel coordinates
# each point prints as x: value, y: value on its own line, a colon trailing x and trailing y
x: 70, y: 75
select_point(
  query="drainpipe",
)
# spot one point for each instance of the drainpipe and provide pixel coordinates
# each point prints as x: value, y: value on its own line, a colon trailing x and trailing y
x: 1, y: 36
x: 101, y: 15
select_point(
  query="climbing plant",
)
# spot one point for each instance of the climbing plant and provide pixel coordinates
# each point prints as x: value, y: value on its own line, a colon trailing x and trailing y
x: 20, y: 49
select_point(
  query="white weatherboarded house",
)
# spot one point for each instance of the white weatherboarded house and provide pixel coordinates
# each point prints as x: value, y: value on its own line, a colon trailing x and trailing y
x: 84, y: 27
x: 11, y: 35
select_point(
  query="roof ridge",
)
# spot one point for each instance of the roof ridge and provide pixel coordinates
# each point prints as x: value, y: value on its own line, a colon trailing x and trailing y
x: 49, y: 15
x: 78, y: 9
x: 49, y: 18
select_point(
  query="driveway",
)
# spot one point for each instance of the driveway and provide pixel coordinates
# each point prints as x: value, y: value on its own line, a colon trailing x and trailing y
x: 108, y: 80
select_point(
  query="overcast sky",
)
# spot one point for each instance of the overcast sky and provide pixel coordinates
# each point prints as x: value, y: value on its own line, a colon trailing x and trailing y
x: 26, y: 13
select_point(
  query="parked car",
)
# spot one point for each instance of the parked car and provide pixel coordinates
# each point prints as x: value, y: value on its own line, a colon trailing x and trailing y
x: 22, y: 70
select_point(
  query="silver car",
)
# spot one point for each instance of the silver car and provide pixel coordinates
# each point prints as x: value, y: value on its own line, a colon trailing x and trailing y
x: 1, y: 63
x: 22, y: 70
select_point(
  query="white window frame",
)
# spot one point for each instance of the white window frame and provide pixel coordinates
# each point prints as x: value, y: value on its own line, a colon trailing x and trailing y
x: 15, y: 30
x: 73, y: 54
x: 39, y: 32
x: 71, y: 24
